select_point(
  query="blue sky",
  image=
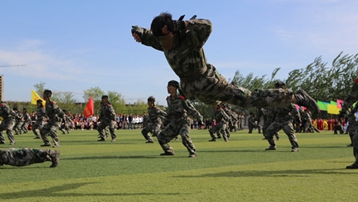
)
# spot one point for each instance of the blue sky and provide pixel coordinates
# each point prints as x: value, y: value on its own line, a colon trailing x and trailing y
x: 74, y: 45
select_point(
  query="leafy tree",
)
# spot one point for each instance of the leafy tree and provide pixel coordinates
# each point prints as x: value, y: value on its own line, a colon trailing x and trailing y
x: 39, y: 88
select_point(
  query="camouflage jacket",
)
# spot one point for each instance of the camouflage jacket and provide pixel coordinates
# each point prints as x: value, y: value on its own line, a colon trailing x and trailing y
x: 53, y: 111
x: 155, y: 114
x: 352, y: 96
x: 268, y: 114
x: 107, y: 113
x: 187, y: 58
x: 27, y: 117
x: 288, y: 114
x: 220, y: 116
x: 6, y: 111
x: 179, y: 107
x: 232, y: 117
x: 40, y: 113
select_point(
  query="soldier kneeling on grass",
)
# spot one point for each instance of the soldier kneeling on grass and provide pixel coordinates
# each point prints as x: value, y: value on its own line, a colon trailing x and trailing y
x: 28, y: 156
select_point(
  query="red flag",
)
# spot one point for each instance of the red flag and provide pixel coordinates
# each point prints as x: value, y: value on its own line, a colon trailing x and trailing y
x: 89, y: 109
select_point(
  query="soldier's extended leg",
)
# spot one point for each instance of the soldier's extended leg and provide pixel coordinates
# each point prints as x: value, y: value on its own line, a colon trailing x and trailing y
x: 212, y: 130
x: 355, y: 152
x: 288, y: 129
x: 270, y: 132
x: 101, y: 127
x: 187, y: 142
x: 54, y: 136
x: 112, y: 131
x: 164, y: 140
x: 44, y: 131
x: 10, y: 136
x: 145, y: 133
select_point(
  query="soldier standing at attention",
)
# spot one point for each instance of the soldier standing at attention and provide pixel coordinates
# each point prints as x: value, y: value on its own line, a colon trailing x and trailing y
x: 155, y: 116
x: 7, y: 123
x: 55, y: 116
x: 40, y: 118
x: 107, y: 118
x: 177, y: 120
x: 182, y: 43
x: 28, y: 156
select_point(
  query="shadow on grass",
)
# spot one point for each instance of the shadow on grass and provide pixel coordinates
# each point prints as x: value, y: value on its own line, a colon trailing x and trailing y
x: 271, y: 173
x: 243, y: 150
x: 55, y: 192
x: 107, y: 157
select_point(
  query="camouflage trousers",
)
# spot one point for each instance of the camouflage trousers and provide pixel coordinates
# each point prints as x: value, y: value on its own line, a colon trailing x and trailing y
x: 267, y: 123
x: 153, y: 128
x: 38, y: 125
x: 50, y: 128
x: 174, y: 128
x: 17, y: 127
x: 8, y: 125
x: 23, y: 156
x: 287, y: 127
x: 220, y: 128
x: 214, y: 89
x: 24, y: 127
x: 102, y: 126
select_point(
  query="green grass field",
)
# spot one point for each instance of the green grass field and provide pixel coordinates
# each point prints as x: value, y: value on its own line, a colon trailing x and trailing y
x: 239, y: 170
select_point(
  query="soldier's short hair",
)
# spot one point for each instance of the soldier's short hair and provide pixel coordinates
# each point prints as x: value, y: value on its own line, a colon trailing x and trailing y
x: 39, y: 101
x: 280, y: 84
x: 48, y: 92
x: 151, y: 99
x: 24, y: 109
x: 159, y: 22
x: 64, y: 110
x: 104, y: 96
x: 14, y: 108
x: 173, y: 83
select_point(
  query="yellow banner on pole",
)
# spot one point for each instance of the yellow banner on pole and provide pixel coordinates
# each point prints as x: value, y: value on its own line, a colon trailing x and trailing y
x: 35, y: 97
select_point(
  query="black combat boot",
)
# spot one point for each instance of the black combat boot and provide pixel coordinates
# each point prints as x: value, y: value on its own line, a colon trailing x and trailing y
x: 303, y: 99
x: 55, y: 158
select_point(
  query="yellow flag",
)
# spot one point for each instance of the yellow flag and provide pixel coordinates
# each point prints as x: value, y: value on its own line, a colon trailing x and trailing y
x: 35, y: 97
x: 332, y: 109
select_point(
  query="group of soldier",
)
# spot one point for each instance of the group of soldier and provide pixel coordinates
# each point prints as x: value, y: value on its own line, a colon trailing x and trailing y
x: 182, y: 43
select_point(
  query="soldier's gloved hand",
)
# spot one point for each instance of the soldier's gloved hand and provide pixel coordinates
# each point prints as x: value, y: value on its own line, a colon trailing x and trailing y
x: 200, y: 121
x: 176, y: 26
x: 137, y: 33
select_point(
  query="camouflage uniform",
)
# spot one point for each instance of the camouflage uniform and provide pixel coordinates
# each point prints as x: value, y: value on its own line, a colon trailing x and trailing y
x: 201, y: 80
x: 353, y: 124
x: 40, y: 121
x: 55, y: 116
x: 177, y: 119
x: 26, y: 123
x: 307, y: 123
x: 284, y: 119
x: 348, y: 102
x: 107, y: 117
x: 252, y: 123
x: 221, y: 123
x: 230, y: 123
x: 66, y: 121
x: 241, y: 121
x: 19, y: 120
x: 155, y: 116
x: 7, y: 123
x: 269, y: 115
x: 28, y: 156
